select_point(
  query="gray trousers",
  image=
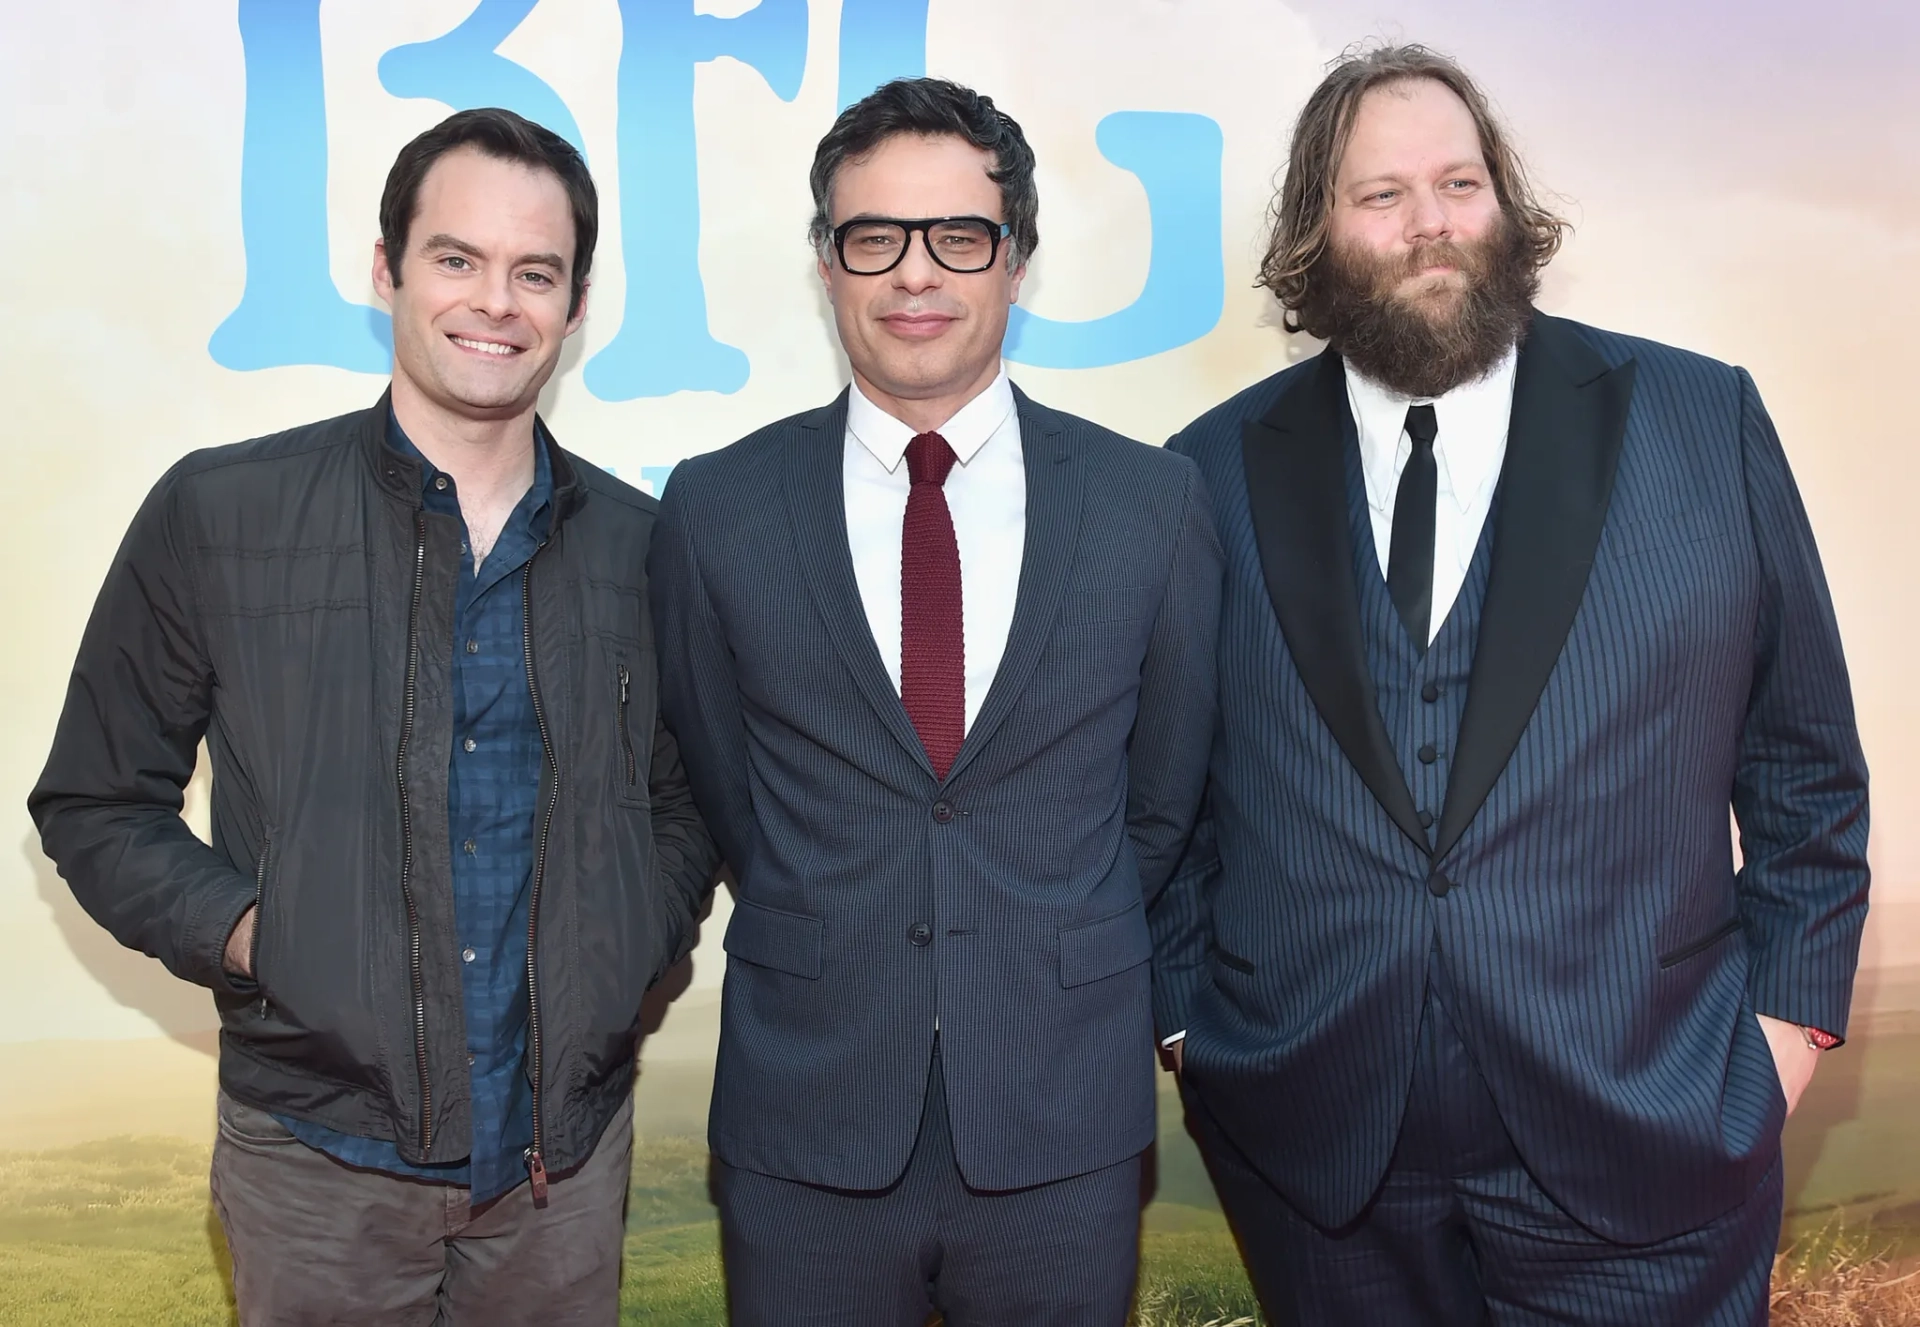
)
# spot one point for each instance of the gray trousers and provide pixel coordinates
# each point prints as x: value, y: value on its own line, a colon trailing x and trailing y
x: 315, y: 1241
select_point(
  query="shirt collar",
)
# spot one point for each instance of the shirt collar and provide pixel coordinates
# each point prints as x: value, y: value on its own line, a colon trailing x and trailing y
x: 1472, y: 422
x: 971, y: 428
x: 533, y: 505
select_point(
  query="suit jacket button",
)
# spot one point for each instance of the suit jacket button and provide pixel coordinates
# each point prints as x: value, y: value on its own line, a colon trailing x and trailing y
x: 1438, y: 885
x: 920, y: 935
x: 942, y: 813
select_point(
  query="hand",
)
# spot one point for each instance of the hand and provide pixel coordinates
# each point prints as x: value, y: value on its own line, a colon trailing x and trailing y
x: 239, y: 956
x: 1793, y: 1059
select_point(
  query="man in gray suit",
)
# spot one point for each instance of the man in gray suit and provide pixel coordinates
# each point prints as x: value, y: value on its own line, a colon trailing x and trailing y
x: 940, y: 661
x: 1481, y: 1024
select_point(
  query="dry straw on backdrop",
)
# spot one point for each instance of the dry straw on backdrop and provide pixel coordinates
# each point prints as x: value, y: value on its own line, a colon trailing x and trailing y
x: 1846, y: 1284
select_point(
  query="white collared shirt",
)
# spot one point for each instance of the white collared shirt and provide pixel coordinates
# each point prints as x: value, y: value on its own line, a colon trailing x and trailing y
x: 1468, y: 450
x: 987, y: 496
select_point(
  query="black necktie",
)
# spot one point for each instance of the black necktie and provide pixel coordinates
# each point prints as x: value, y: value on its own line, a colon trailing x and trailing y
x: 1410, y: 558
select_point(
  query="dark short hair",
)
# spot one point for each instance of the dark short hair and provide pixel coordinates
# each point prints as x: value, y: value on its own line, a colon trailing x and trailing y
x: 1303, y: 212
x: 504, y: 136
x: 932, y: 108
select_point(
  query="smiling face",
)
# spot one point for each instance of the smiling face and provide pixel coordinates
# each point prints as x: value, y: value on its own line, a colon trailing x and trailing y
x: 922, y: 341
x: 480, y: 306
x: 1413, y: 198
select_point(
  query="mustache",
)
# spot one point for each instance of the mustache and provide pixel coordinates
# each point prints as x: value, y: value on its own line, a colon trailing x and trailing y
x: 1471, y: 261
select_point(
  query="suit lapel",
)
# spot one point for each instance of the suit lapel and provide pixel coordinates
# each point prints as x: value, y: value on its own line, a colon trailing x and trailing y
x: 817, y: 506
x: 1056, y: 485
x: 1297, y: 491
x: 1563, y: 446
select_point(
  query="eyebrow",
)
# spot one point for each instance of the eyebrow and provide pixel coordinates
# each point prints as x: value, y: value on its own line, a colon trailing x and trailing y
x: 458, y: 245
x: 1465, y: 163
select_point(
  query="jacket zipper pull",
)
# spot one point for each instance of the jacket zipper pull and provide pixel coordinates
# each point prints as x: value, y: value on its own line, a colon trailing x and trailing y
x: 625, y: 677
x: 537, y: 1174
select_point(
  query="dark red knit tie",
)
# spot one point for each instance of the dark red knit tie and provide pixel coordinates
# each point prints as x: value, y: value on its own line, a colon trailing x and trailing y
x: 933, y: 662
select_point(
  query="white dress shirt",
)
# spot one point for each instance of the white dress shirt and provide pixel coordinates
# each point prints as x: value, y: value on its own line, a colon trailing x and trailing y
x: 1468, y: 449
x: 987, y: 496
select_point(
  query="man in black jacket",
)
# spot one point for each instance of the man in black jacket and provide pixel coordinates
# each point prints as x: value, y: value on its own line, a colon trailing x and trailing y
x: 452, y: 843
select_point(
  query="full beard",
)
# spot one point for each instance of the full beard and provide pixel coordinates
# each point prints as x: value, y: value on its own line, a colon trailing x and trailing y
x: 1428, y: 340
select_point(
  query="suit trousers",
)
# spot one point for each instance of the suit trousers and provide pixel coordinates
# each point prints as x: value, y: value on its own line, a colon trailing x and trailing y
x: 1460, y: 1235
x: 1062, y: 1254
x: 316, y: 1241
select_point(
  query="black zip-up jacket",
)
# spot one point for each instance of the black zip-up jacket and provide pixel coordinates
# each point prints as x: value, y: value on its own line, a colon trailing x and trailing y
x: 290, y: 600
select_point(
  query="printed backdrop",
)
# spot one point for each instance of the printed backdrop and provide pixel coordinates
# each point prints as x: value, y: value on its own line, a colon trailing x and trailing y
x: 190, y: 207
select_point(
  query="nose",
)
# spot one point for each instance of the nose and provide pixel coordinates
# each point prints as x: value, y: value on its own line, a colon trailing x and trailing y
x: 1427, y: 217
x: 917, y: 272
x: 494, y: 295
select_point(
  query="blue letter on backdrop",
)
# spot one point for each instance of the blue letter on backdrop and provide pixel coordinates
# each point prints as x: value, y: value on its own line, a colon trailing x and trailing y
x: 462, y: 70
x: 1177, y: 158
x: 290, y: 311
x: 663, y: 345
x: 880, y: 40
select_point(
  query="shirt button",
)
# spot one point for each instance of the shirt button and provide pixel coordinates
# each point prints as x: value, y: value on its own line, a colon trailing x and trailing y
x: 473, y: 646
x: 1426, y: 753
x: 1426, y: 820
x: 943, y: 813
x: 470, y: 744
x: 467, y: 955
x: 1430, y: 692
x: 468, y: 845
x: 440, y: 482
x: 920, y: 935
x: 469, y: 1059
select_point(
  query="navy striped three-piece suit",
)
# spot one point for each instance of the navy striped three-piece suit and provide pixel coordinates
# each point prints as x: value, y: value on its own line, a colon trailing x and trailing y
x: 1004, y: 904
x: 1495, y: 880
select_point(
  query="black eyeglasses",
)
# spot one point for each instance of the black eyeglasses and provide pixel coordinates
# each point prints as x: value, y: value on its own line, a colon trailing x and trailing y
x: 868, y: 246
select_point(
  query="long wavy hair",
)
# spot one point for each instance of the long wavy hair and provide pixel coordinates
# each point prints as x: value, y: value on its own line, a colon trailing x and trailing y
x: 1302, y: 212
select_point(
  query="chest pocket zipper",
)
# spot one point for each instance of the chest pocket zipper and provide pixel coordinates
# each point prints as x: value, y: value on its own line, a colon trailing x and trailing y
x: 631, y: 767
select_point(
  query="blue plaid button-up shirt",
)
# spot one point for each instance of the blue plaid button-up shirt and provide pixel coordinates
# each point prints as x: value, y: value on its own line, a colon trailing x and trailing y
x: 493, y: 788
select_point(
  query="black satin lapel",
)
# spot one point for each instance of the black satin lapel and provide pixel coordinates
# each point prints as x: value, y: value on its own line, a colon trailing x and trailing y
x: 817, y: 506
x: 1563, y: 446
x: 1056, y: 486
x: 1297, y: 490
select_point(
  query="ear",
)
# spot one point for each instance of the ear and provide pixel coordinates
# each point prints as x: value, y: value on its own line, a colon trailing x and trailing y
x: 1014, y: 278
x: 825, y: 269
x: 383, y: 282
x: 579, y: 314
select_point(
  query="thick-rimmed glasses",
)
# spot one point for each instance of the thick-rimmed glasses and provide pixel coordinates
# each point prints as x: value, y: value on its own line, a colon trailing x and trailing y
x: 868, y: 246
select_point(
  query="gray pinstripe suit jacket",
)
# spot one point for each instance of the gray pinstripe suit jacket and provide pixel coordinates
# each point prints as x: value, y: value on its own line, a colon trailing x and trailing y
x: 1008, y: 900
x: 1656, y: 645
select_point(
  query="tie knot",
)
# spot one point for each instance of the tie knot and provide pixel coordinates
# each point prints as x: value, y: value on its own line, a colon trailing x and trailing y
x: 929, y: 458
x: 1421, y: 425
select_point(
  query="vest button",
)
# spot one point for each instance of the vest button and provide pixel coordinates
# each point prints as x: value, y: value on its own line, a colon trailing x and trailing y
x: 1430, y: 692
x: 1428, y: 754
x: 1426, y: 820
x: 920, y: 935
x: 942, y: 813
x: 1438, y: 885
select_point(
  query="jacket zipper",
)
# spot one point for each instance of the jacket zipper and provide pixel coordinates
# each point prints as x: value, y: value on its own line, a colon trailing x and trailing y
x: 536, y: 1160
x: 626, y: 732
x: 407, y: 704
x: 259, y: 914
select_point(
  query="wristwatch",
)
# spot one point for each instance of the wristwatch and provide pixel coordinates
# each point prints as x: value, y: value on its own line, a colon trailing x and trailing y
x: 1818, y: 1040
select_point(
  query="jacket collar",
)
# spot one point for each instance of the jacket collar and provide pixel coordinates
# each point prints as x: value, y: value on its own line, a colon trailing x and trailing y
x: 399, y: 475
